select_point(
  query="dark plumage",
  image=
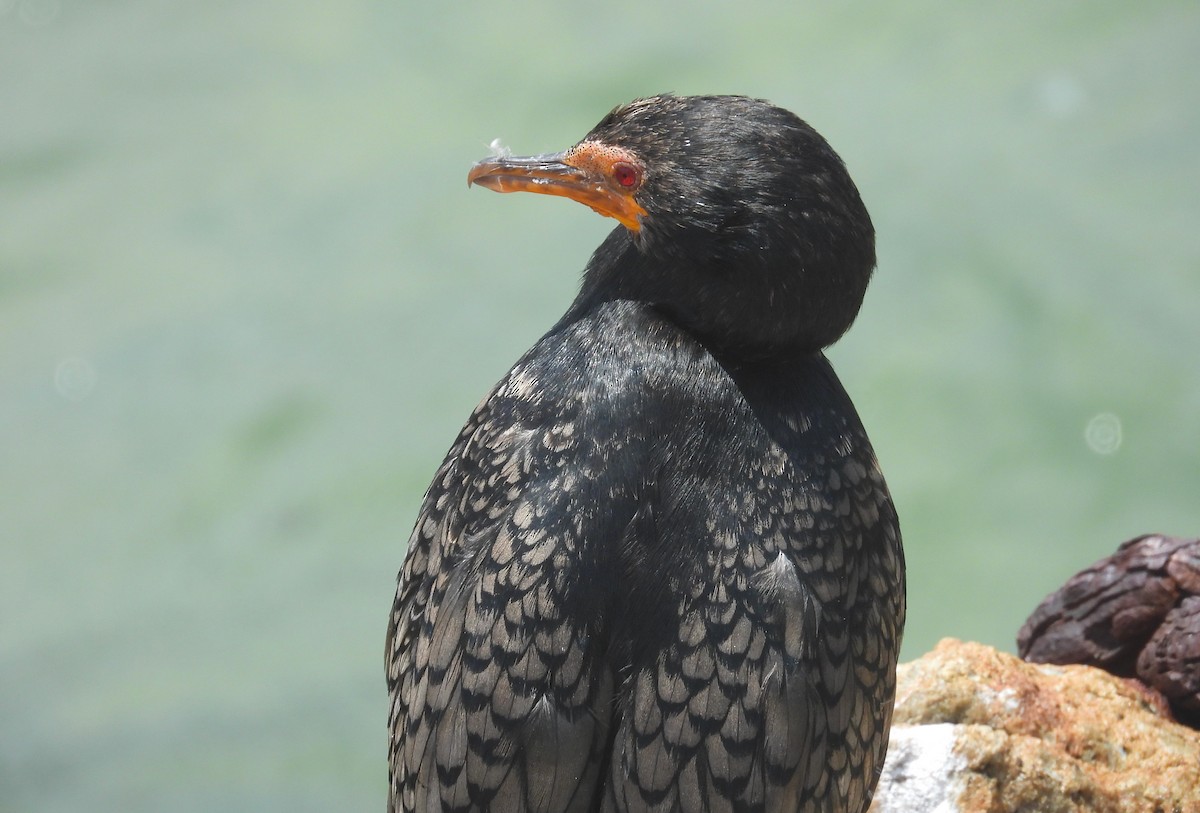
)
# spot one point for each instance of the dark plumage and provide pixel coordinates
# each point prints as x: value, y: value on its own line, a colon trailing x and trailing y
x: 1135, y: 614
x: 659, y: 568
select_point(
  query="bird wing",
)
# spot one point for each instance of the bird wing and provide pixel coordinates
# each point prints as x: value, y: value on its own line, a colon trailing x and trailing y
x: 724, y: 719
x: 501, y: 696
x: 778, y: 606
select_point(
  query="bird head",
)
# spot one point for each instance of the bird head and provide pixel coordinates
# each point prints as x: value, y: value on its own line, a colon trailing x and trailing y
x: 738, y: 220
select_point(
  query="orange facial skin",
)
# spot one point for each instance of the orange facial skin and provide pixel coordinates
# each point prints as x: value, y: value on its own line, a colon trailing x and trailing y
x: 599, y: 176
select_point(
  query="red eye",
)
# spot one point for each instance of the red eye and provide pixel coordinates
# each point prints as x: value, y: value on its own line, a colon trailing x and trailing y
x: 626, y: 175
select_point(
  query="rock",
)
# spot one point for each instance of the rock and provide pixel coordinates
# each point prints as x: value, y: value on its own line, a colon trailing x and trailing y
x: 1135, y: 613
x: 1170, y: 660
x: 982, y: 731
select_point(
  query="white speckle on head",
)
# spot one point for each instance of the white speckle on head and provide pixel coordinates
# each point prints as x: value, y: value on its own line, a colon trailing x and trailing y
x: 498, y: 149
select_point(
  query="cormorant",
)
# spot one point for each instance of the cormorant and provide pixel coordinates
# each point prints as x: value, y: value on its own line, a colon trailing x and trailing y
x: 659, y: 569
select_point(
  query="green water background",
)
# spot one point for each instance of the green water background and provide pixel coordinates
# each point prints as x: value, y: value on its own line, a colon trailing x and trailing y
x: 246, y: 301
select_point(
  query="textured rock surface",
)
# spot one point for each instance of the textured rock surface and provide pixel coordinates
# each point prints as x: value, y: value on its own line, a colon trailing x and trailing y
x: 1135, y: 613
x: 979, y: 730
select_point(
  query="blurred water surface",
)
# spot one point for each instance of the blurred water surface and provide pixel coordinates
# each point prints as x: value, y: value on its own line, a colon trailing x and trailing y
x: 246, y: 301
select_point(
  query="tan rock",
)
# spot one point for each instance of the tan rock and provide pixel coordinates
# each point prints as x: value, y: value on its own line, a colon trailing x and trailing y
x: 979, y: 730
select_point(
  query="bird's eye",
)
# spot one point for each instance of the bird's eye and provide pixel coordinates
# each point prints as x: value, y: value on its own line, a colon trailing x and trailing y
x: 626, y: 175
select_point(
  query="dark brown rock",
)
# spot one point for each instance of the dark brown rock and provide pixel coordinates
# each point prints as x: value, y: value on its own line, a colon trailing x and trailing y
x: 1170, y: 661
x: 1135, y: 613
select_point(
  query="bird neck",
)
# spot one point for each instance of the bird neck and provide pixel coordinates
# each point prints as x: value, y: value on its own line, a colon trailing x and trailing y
x: 745, y: 306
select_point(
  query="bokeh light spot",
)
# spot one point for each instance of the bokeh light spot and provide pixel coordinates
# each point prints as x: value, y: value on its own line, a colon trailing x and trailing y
x: 74, y: 378
x: 1103, y: 433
